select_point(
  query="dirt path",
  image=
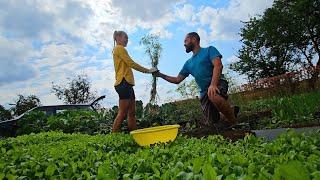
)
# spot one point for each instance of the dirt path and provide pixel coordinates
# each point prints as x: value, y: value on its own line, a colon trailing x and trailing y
x: 233, y: 135
x: 270, y: 134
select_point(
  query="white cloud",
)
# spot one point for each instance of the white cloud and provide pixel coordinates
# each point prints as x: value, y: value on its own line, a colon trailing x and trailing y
x: 206, y: 15
x: 81, y: 22
x: 225, y: 23
x: 186, y: 12
x: 232, y: 59
x: 47, y: 40
x: 54, y: 54
x: 44, y: 20
x: 43, y: 41
x: 14, y: 64
x: 144, y: 9
x: 24, y: 19
x: 153, y: 15
x: 204, y: 37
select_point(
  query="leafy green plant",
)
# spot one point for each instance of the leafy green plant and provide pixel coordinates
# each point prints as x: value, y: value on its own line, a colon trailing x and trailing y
x: 285, y: 110
x: 88, y: 122
x: 33, y: 122
x: 269, y: 113
x: 186, y: 113
x: 116, y: 156
x: 70, y: 121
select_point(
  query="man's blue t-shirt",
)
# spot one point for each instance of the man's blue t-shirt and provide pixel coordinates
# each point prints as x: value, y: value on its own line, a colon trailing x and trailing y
x: 200, y: 66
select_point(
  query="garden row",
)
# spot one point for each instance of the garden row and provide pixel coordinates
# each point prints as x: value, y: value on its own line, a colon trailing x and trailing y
x: 259, y: 114
x: 115, y: 156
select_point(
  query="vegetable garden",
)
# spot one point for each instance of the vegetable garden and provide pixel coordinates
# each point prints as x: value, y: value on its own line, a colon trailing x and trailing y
x: 55, y: 155
x: 77, y: 145
x: 279, y: 55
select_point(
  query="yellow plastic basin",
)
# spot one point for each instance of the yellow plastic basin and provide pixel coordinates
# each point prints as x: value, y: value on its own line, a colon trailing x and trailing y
x: 152, y: 135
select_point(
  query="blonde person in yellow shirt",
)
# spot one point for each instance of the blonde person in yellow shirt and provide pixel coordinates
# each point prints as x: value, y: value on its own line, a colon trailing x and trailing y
x: 123, y: 65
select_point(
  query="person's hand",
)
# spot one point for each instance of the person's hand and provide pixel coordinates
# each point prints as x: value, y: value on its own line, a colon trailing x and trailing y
x: 157, y: 73
x: 152, y: 70
x: 212, y: 91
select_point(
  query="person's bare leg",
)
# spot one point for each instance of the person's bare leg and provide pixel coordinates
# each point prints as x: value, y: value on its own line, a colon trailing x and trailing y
x: 225, y: 108
x: 222, y: 117
x: 123, y: 110
x: 132, y: 122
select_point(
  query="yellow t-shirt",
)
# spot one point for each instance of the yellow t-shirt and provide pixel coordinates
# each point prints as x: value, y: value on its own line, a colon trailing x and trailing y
x: 123, y: 64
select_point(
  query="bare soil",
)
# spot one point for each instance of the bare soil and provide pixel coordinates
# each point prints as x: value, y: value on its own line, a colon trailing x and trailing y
x: 239, y: 133
x: 232, y: 135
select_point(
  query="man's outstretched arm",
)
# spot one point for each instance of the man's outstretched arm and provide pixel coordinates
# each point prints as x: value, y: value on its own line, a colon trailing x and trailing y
x: 175, y: 80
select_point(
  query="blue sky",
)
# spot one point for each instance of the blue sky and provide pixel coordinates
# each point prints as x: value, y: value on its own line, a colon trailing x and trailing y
x: 49, y: 41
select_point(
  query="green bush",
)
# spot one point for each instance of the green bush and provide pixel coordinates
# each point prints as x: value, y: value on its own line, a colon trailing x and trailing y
x: 285, y: 110
x: 33, y: 122
x: 186, y: 112
x: 88, y: 122
x: 281, y: 111
x: 70, y: 121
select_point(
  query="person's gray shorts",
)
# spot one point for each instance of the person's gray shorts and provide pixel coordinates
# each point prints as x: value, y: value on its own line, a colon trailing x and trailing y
x: 209, y: 110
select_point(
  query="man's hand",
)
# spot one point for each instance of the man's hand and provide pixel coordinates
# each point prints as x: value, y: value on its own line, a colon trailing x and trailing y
x: 212, y: 91
x: 157, y: 73
x: 175, y: 80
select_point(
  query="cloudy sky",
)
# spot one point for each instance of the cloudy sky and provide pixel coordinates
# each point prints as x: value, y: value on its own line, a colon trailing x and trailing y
x: 49, y: 41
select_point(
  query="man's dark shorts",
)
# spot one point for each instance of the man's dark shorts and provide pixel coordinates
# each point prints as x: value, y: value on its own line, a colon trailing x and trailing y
x: 209, y: 110
x: 125, y: 90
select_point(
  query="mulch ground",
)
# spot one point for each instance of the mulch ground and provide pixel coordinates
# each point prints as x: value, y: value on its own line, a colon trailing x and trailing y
x: 232, y: 135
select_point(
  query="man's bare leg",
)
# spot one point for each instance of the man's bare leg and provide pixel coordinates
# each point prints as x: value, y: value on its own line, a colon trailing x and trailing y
x: 225, y: 108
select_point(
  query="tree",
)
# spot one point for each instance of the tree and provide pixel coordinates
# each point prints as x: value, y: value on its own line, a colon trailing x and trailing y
x: 305, y: 17
x: 4, y: 114
x: 76, y: 91
x: 153, y: 49
x: 283, y: 39
x: 264, y: 53
x: 24, y: 104
x: 188, y: 89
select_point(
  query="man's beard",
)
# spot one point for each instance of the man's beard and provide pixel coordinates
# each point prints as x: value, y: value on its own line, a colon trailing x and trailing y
x: 189, y: 48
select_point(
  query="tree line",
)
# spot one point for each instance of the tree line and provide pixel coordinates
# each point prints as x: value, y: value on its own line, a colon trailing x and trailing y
x: 285, y: 38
